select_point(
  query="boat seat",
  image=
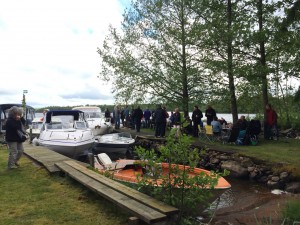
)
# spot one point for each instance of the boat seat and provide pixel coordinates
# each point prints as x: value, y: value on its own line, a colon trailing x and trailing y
x: 104, y: 160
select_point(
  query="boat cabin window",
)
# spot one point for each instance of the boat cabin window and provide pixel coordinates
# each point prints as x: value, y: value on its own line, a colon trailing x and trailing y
x: 80, y: 125
x: 36, y: 125
x: 55, y: 125
x: 92, y: 115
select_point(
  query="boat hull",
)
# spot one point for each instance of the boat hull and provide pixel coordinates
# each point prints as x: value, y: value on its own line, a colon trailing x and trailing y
x: 113, y: 143
x: 131, y: 171
x: 110, y: 148
x: 68, y: 148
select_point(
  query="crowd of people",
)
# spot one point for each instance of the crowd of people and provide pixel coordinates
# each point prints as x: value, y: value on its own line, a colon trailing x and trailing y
x: 160, y: 120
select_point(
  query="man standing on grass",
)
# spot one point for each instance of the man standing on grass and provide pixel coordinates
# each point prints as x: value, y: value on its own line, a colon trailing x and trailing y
x: 196, y: 118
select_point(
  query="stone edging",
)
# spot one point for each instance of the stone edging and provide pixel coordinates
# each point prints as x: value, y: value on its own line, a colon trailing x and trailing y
x: 243, y: 167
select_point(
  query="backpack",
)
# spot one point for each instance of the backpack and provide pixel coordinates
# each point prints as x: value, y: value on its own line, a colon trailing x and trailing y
x: 241, y: 137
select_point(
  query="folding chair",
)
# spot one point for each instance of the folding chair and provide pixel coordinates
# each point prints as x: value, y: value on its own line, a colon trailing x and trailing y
x: 232, y: 137
x: 208, y: 133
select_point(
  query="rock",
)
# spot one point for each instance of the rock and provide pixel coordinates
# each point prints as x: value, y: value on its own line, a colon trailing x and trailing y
x: 215, y: 161
x: 222, y: 222
x: 224, y: 157
x: 267, y: 172
x: 284, y: 176
x: 293, y: 187
x: 273, y: 185
x: 236, y: 170
x: 251, y: 168
x: 246, y: 162
x: 263, y: 179
x: 275, y: 178
x: 265, y: 169
x: 253, y: 174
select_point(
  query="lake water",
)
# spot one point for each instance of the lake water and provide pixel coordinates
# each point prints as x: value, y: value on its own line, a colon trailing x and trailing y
x: 226, y: 116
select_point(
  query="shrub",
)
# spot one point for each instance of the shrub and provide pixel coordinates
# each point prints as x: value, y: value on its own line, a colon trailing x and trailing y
x: 175, y: 187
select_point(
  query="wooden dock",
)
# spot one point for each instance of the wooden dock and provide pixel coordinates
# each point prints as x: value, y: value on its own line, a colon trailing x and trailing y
x: 137, y: 204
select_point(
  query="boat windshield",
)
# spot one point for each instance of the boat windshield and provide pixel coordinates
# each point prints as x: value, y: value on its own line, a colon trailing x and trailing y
x: 36, y: 125
x: 81, y: 125
x: 54, y: 125
x: 124, y: 134
x: 89, y: 115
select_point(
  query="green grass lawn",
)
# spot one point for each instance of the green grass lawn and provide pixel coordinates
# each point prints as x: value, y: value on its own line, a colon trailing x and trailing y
x: 31, y: 196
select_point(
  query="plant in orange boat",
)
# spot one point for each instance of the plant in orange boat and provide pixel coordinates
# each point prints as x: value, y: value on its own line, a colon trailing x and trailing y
x: 173, y: 177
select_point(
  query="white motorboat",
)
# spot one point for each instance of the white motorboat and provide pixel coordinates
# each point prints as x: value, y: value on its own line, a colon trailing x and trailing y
x: 96, y: 121
x: 35, y: 127
x: 113, y: 143
x: 66, y: 132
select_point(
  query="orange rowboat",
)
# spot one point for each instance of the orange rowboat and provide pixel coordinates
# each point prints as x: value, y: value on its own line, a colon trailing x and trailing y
x: 132, y: 171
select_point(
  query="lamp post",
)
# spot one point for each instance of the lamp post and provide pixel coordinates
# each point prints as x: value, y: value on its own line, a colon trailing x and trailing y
x: 24, y: 102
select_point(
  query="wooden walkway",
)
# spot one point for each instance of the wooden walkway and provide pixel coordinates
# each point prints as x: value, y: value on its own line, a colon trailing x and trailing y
x: 138, y: 204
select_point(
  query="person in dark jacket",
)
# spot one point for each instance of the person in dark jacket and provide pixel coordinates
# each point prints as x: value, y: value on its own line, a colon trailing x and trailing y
x: 210, y: 113
x: 159, y: 120
x: 147, y: 115
x: 196, y: 118
x: 177, y: 121
x: 138, y: 115
x: 14, y: 124
x: 107, y: 113
x: 243, y: 123
x: 164, y: 126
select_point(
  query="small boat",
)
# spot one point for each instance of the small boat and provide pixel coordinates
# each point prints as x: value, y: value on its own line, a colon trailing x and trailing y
x: 66, y: 132
x: 131, y: 171
x: 95, y: 119
x: 35, y: 127
x: 113, y: 143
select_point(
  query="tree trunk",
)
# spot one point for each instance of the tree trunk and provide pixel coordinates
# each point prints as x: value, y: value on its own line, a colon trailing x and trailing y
x: 233, y: 103
x: 185, y: 95
x: 263, y: 70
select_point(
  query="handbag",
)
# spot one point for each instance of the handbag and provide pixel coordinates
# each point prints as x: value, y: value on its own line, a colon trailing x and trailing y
x: 22, y: 135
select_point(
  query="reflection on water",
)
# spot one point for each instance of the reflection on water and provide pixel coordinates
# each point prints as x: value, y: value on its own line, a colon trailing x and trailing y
x: 242, y: 192
x: 225, y: 200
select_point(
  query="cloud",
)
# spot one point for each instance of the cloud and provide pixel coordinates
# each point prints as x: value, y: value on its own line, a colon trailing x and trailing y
x: 89, y: 92
x: 49, y: 48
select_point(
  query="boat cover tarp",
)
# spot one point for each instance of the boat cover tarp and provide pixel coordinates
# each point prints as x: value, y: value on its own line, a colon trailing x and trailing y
x: 74, y: 113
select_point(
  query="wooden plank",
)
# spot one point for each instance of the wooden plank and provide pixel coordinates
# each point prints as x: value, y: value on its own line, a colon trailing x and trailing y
x: 45, y: 157
x: 138, y: 209
x: 143, y: 198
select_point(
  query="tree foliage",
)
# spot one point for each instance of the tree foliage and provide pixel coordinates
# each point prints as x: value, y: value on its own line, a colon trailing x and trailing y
x: 186, y: 52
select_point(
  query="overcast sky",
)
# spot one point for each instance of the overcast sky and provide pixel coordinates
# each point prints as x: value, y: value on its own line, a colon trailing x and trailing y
x: 49, y: 48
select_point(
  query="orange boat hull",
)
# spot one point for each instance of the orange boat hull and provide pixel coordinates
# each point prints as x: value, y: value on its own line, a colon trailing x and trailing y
x: 134, y: 172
